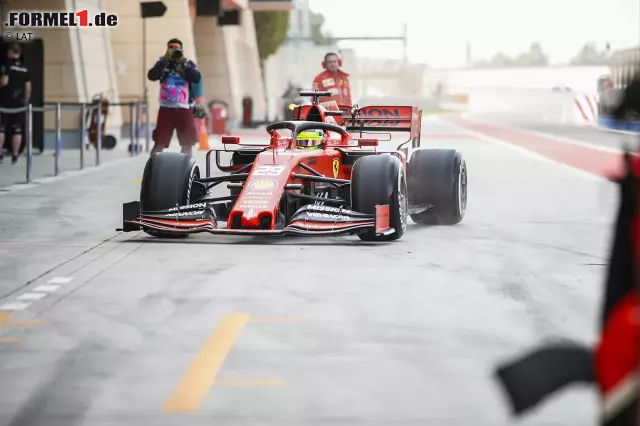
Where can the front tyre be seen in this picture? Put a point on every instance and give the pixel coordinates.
(167, 182)
(380, 180)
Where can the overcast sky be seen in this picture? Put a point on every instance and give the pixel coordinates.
(438, 30)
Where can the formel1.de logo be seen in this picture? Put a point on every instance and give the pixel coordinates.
(82, 18)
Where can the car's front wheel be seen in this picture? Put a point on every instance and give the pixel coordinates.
(167, 182)
(380, 180)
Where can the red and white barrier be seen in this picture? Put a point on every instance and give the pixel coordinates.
(579, 109)
(585, 109)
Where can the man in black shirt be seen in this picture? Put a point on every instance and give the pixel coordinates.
(15, 92)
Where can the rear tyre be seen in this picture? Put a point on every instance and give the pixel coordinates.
(167, 182)
(438, 178)
(380, 180)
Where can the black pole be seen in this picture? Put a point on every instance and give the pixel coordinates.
(144, 58)
(148, 9)
(2, 15)
(145, 100)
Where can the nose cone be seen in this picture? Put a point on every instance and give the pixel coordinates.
(251, 218)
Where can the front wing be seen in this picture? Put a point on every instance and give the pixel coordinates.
(308, 221)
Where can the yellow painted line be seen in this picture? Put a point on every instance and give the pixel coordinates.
(9, 340)
(4, 317)
(23, 323)
(247, 383)
(203, 370)
(276, 320)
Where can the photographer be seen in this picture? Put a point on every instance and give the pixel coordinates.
(176, 75)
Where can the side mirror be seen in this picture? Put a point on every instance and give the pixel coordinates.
(230, 140)
(368, 142)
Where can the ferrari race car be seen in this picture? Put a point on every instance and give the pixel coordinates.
(343, 185)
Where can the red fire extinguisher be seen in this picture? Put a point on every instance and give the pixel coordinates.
(247, 112)
(108, 141)
(219, 115)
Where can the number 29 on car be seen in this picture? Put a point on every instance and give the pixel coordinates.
(268, 171)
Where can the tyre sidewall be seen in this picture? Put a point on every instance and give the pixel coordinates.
(385, 175)
(168, 181)
(461, 200)
(434, 179)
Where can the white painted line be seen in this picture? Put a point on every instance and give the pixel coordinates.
(571, 141)
(32, 296)
(12, 188)
(47, 180)
(46, 288)
(604, 129)
(581, 173)
(60, 280)
(14, 306)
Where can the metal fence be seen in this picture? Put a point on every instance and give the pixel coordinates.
(135, 109)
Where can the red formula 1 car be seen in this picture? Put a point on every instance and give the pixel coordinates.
(347, 185)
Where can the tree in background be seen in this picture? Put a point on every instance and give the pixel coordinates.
(318, 35)
(590, 55)
(271, 32)
(535, 57)
(499, 60)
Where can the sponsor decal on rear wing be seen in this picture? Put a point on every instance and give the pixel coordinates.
(385, 119)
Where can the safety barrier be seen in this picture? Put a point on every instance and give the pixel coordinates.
(134, 128)
(585, 109)
(580, 109)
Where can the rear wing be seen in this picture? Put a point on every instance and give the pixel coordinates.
(384, 119)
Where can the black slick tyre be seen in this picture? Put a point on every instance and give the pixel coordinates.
(437, 179)
(380, 180)
(167, 182)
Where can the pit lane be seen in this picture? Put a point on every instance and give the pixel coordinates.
(233, 330)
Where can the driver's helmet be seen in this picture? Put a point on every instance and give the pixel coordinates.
(310, 139)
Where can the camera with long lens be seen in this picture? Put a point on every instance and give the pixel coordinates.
(176, 54)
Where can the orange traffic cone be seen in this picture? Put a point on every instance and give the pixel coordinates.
(204, 137)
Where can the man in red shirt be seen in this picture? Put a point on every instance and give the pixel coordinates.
(333, 80)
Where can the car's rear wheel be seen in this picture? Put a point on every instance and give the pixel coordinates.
(437, 179)
(167, 182)
(380, 180)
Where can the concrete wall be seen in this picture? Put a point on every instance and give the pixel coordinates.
(252, 83)
(229, 61)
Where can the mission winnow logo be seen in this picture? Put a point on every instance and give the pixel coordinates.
(82, 18)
